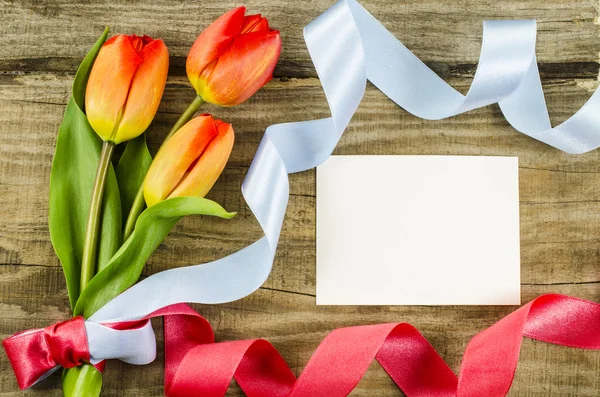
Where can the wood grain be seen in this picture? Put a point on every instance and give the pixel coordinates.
(42, 42)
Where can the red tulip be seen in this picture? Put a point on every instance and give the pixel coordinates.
(190, 162)
(125, 86)
(233, 58)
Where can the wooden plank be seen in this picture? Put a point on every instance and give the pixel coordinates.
(54, 35)
(295, 325)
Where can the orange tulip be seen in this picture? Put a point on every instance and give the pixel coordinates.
(125, 86)
(190, 162)
(233, 58)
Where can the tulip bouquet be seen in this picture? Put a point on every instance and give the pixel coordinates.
(100, 227)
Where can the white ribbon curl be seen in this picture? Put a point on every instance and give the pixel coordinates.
(347, 46)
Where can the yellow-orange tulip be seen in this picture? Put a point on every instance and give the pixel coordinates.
(233, 58)
(125, 86)
(190, 162)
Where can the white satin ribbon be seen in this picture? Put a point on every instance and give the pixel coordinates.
(347, 46)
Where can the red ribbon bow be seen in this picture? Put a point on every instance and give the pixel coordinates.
(195, 365)
(35, 353)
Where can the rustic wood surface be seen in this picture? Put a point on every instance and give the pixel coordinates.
(42, 42)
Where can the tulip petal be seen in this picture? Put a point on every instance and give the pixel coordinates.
(145, 91)
(243, 69)
(209, 166)
(254, 23)
(175, 157)
(212, 42)
(108, 84)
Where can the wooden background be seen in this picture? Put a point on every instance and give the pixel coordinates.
(42, 42)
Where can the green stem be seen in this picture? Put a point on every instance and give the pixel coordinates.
(185, 116)
(138, 203)
(90, 247)
(136, 209)
(82, 381)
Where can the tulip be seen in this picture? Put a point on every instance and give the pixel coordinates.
(233, 58)
(191, 161)
(230, 60)
(122, 95)
(125, 86)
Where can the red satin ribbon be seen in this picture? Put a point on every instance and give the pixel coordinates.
(34, 353)
(195, 365)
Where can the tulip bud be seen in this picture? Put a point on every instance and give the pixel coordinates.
(125, 86)
(233, 58)
(190, 162)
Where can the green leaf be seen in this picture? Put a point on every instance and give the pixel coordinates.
(84, 70)
(82, 381)
(71, 182)
(151, 229)
(131, 170)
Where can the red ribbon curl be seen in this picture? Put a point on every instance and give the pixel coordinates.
(196, 365)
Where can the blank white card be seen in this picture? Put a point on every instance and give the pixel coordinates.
(418, 230)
